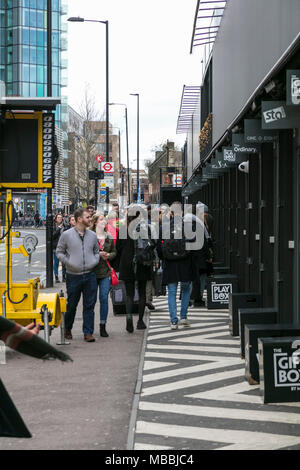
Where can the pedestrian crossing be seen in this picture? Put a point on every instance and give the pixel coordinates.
(194, 394)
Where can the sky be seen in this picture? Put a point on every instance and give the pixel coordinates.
(149, 52)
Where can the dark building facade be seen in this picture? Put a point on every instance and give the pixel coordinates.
(250, 112)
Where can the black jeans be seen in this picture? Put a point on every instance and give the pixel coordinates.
(130, 290)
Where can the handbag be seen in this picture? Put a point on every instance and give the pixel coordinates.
(113, 275)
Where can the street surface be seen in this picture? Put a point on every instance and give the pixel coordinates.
(194, 394)
(21, 270)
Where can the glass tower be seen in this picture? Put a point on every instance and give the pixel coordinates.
(23, 47)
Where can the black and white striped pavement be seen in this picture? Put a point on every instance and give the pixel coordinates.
(194, 395)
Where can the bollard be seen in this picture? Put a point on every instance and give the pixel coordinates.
(62, 341)
(4, 304)
(2, 353)
(45, 316)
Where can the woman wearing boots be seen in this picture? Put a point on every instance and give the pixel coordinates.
(130, 271)
(107, 254)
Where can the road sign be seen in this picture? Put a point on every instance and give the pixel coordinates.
(99, 158)
(109, 181)
(178, 181)
(108, 167)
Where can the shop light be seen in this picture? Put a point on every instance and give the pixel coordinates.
(270, 86)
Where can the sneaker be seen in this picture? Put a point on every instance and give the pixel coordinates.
(141, 325)
(174, 325)
(150, 306)
(129, 323)
(185, 322)
(89, 338)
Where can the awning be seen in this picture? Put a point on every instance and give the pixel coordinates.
(207, 20)
(189, 101)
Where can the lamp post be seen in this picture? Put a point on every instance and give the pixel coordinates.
(138, 147)
(49, 220)
(127, 147)
(78, 19)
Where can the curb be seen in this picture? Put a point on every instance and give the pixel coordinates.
(137, 392)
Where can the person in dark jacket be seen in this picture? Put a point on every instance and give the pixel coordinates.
(175, 271)
(58, 228)
(129, 272)
(108, 253)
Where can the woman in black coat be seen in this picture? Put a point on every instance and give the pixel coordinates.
(129, 272)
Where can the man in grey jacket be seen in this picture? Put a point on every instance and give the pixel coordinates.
(78, 250)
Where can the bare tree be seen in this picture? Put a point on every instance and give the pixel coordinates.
(85, 146)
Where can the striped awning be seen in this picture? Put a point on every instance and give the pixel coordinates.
(207, 20)
(189, 101)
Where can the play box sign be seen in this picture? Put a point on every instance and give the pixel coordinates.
(218, 291)
(279, 369)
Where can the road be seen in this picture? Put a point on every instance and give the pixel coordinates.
(21, 270)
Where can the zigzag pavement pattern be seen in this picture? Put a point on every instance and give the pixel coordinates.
(194, 395)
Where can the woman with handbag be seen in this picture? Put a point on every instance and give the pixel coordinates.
(104, 273)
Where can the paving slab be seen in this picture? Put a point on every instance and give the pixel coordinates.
(81, 405)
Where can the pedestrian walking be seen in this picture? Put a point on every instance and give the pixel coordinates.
(91, 210)
(201, 259)
(177, 268)
(37, 219)
(78, 250)
(108, 252)
(58, 229)
(136, 259)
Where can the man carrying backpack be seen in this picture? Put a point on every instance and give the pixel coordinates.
(177, 267)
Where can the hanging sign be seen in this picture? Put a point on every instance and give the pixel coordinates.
(217, 163)
(230, 157)
(239, 146)
(277, 115)
(253, 133)
(293, 87)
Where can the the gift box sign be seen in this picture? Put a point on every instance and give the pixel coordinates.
(220, 293)
(286, 369)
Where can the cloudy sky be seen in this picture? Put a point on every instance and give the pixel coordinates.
(149, 55)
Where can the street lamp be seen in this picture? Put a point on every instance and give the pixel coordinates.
(78, 19)
(127, 146)
(138, 146)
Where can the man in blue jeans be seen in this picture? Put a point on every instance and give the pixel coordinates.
(78, 250)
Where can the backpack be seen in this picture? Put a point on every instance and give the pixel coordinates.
(173, 249)
(144, 254)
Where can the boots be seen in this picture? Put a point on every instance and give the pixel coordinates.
(140, 324)
(103, 331)
(56, 279)
(129, 323)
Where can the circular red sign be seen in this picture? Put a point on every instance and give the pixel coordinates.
(107, 167)
(99, 158)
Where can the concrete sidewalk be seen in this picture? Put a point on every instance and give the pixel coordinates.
(81, 405)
